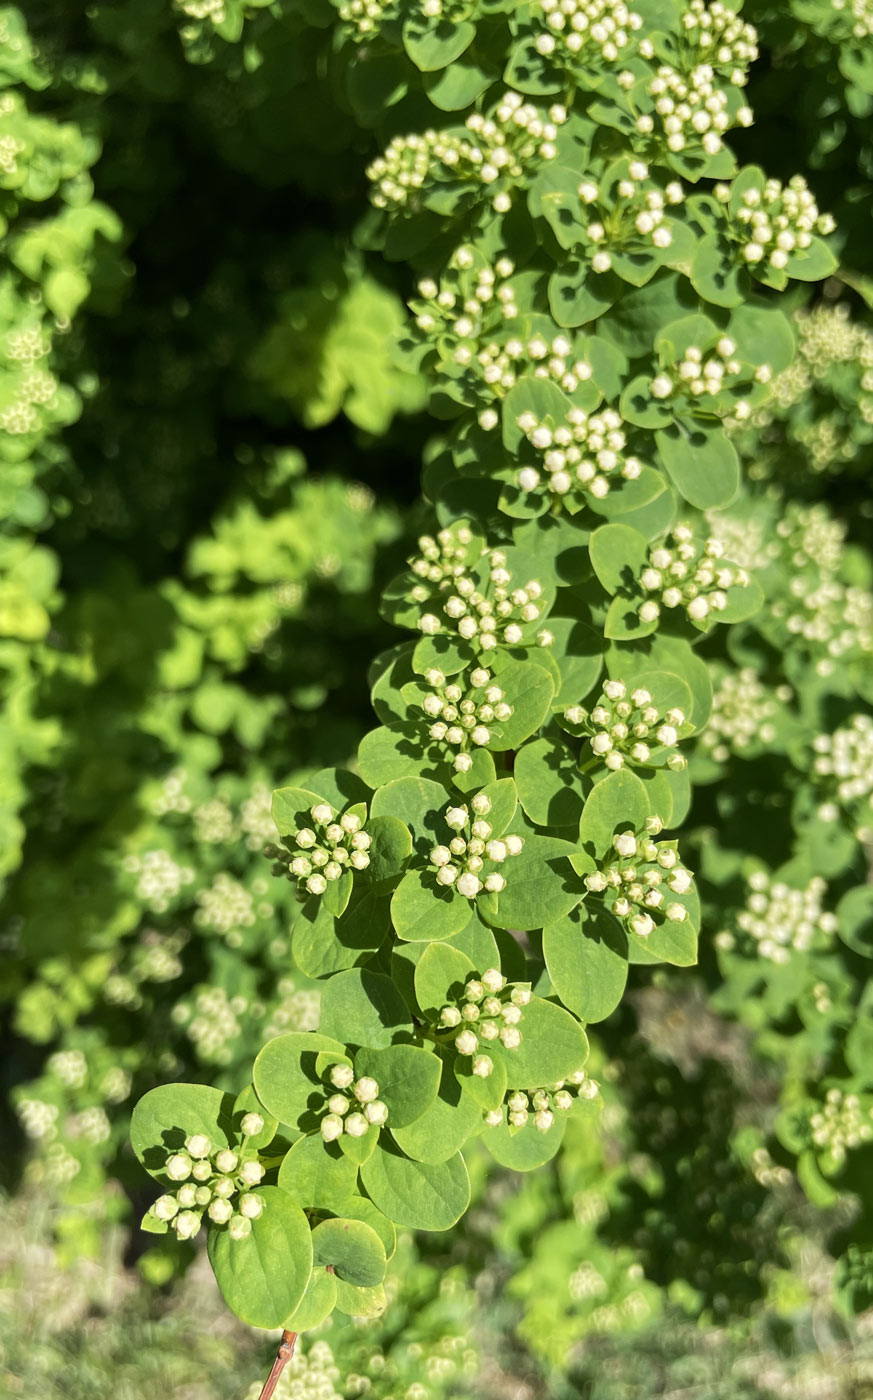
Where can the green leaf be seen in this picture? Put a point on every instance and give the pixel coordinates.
(701, 462)
(548, 782)
(540, 884)
(323, 945)
(364, 1008)
(408, 1079)
(542, 397)
(286, 1074)
(578, 651)
(353, 1249)
(441, 974)
(553, 1046)
(623, 622)
(417, 1195)
(392, 751)
(317, 1174)
(855, 920)
(263, 1277)
(715, 273)
(578, 296)
(422, 910)
(419, 804)
(360, 1302)
(618, 803)
(525, 1149)
(529, 690)
(433, 46)
(451, 1119)
(586, 956)
(618, 556)
(164, 1117)
(317, 1303)
(390, 849)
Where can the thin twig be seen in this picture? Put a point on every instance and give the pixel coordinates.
(283, 1355)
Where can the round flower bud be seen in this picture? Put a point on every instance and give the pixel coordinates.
(316, 884)
(467, 1042)
(178, 1166)
(220, 1212)
(482, 1066)
(493, 979)
(356, 1125)
(224, 1187)
(510, 1037)
(239, 1228)
(187, 1224)
(494, 1117)
(251, 1173)
(543, 1120)
(252, 1124)
(376, 1113)
(366, 1090)
(341, 1076)
(331, 1127)
(198, 1145)
(450, 1016)
(469, 885)
(625, 843)
(514, 844)
(187, 1195)
(165, 1207)
(251, 1206)
(456, 818)
(202, 1170)
(520, 996)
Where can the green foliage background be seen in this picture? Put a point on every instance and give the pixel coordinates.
(209, 470)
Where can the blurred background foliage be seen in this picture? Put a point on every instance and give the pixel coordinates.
(209, 469)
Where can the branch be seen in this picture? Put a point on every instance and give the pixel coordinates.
(283, 1355)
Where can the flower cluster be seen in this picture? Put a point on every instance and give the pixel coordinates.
(691, 109)
(835, 620)
(491, 1009)
(715, 34)
(858, 15)
(841, 1124)
(703, 376)
(685, 573)
(461, 722)
(219, 1181)
(843, 770)
(442, 560)
(744, 715)
(504, 364)
(543, 1103)
(595, 29)
(324, 851)
(353, 1105)
(771, 224)
(470, 862)
(630, 728)
(634, 876)
(501, 615)
(226, 906)
(626, 214)
(492, 152)
(582, 455)
(778, 919)
(160, 879)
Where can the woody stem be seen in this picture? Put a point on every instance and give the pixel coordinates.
(284, 1354)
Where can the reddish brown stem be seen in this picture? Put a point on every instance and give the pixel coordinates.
(283, 1355)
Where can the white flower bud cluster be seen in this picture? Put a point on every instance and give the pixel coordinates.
(219, 1182)
(312, 1374)
(691, 110)
(442, 560)
(842, 1124)
(214, 822)
(582, 455)
(715, 34)
(295, 1009)
(835, 621)
(627, 218)
(497, 151)
(255, 817)
(170, 795)
(700, 377)
(542, 1104)
(843, 771)
(828, 339)
(160, 879)
(501, 616)
(470, 860)
(212, 1023)
(464, 721)
(226, 906)
(745, 714)
(501, 365)
(353, 1105)
(598, 30)
(778, 920)
(811, 538)
(685, 573)
(626, 726)
(639, 876)
(491, 1009)
(212, 10)
(768, 227)
(323, 851)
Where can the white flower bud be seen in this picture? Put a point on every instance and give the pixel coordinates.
(510, 1037)
(356, 1125)
(178, 1166)
(341, 1076)
(514, 844)
(469, 885)
(376, 1113)
(187, 1225)
(321, 813)
(239, 1228)
(251, 1206)
(252, 1124)
(198, 1145)
(543, 1120)
(220, 1212)
(625, 843)
(482, 1066)
(251, 1173)
(331, 1127)
(493, 980)
(450, 1016)
(366, 1090)
(165, 1207)
(456, 818)
(467, 1042)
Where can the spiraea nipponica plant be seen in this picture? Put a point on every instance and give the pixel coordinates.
(597, 319)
